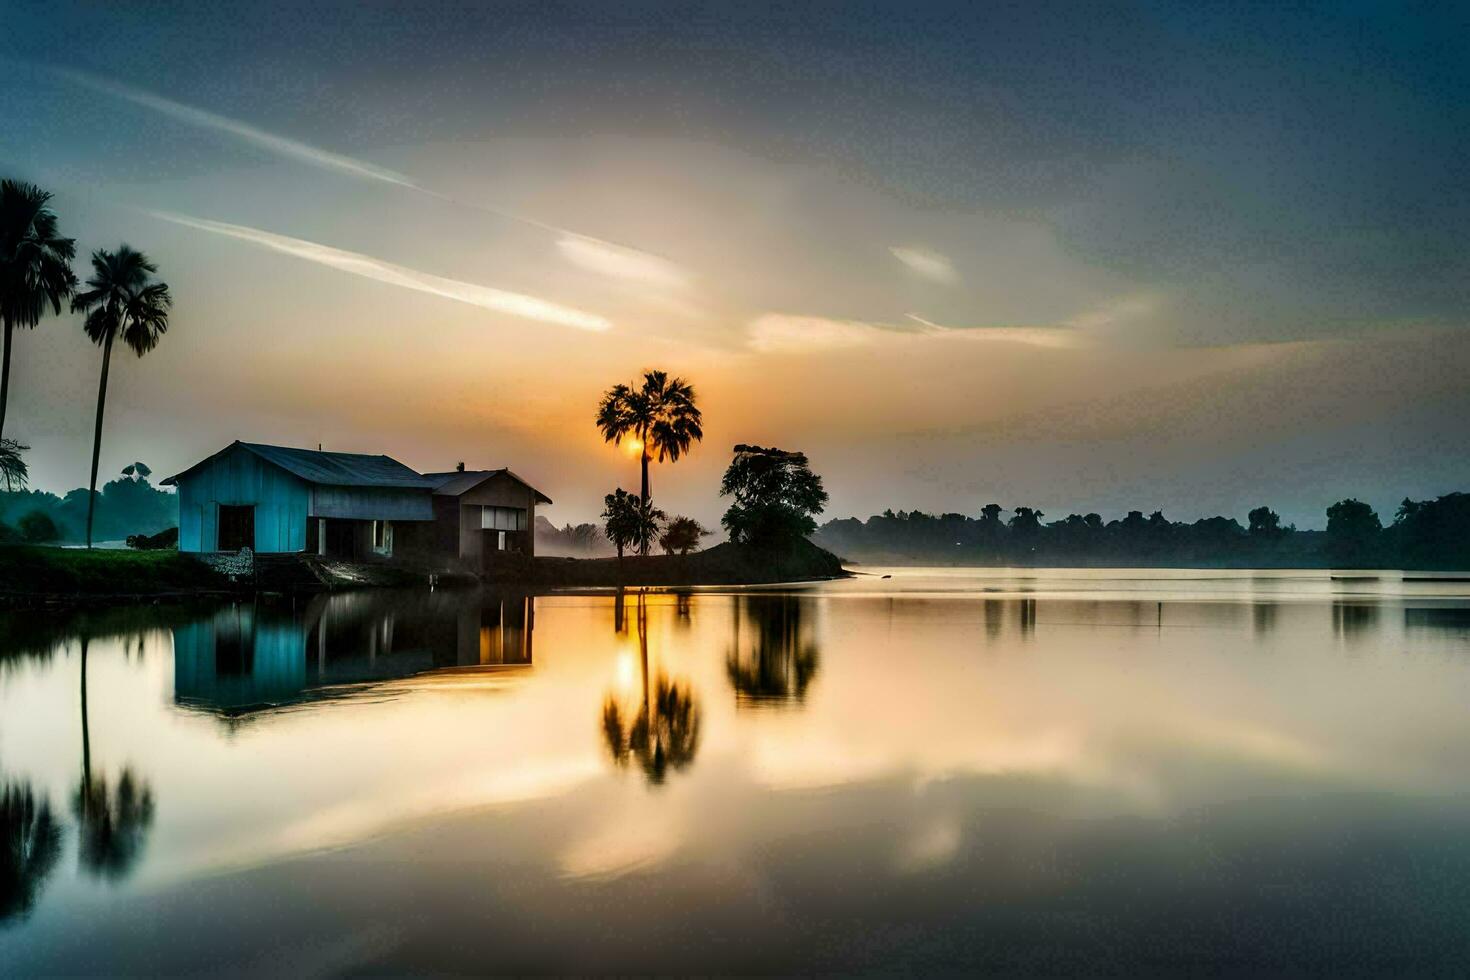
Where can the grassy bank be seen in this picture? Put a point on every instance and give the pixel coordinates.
(35, 571)
(724, 564)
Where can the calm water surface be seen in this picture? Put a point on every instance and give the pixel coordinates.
(1039, 771)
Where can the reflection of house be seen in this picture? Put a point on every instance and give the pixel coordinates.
(349, 505)
(248, 657)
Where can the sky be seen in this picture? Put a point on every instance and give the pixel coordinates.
(1083, 257)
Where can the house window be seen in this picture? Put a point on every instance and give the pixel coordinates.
(503, 518)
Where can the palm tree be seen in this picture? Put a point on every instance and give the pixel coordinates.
(122, 300)
(13, 470)
(628, 520)
(35, 266)
(661, 415)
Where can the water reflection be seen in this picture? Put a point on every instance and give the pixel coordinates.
(982, 779)
(1263, 618)
(1353, 620)
(1448, 620)
(663, 734)
(246, 658)
(30, 843)
(113, 818)
(773, 654)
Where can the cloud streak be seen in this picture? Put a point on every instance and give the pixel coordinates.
(279, 145)
(923, 262)
(782, 333)
(485, 297)
(594, 254)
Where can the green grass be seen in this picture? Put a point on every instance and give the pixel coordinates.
(28, 570)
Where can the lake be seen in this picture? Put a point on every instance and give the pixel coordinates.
(946, 770)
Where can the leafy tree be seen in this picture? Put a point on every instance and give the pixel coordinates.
(776, 496)
(122, 300)
(13, 470)
(38, 528)
(1352, 519)
(661, 415)
(35, 267)
(682, 535)
(1433, 533)
(139, 471)
(1026, 520)
(1352, 530)
(627, 520)
(1264, 523)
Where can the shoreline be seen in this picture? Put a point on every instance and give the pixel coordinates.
(40, 578)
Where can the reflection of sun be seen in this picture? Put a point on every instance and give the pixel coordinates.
(626, 669)
(633, 446)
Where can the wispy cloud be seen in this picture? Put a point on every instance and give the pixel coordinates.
(923, 262)
(1051, 335)
(279, 145)
(621, 262)
(782, 333)
(594, 254)
(486, 297)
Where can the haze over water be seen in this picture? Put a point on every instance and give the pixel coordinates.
(945, 770)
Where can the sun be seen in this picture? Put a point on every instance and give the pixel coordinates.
(633, 446)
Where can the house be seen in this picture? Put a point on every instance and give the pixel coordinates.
(275, 499)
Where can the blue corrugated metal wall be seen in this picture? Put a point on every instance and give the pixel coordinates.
(240, 477)
(277, 664)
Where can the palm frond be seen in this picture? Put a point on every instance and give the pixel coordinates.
(13, 471)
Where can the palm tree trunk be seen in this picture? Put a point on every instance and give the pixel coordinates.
(5, 377)
(97, 435)
(643, 498)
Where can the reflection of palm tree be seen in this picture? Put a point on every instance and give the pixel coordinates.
(30, 843)
(114, 823)
(785, 656)
(665, 733)
(114, 819)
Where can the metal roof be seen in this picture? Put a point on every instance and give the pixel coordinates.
(330, 469)
(458, 482)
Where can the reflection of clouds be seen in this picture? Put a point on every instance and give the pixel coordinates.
(633, 840)
(931, 845)
(380, 811)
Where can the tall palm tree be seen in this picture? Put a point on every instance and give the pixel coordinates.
(122, 300)
(660, 414)
(35, 266)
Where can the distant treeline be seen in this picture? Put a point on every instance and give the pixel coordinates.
(126, 506)
(1428, 534)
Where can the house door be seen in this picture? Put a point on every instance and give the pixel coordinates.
(236, 527)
